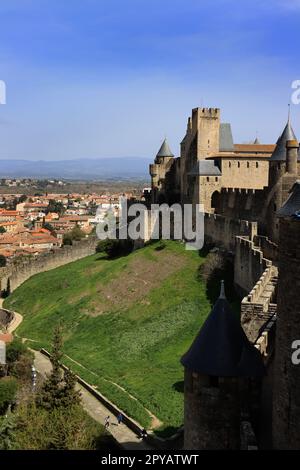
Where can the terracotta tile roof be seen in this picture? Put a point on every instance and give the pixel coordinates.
(8, 239)
(6, 337)
(254, 148)
(35, 204)
(7, 253)
(40, 232)
(9, 213)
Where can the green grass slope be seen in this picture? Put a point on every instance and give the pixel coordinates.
(126, 324)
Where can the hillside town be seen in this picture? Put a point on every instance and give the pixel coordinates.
(30, 225)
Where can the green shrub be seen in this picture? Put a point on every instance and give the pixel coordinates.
(15, 350)
(58, 429)
(114, 248)
(67, 239)
(103, 245)
(8, 390)
(161, 246)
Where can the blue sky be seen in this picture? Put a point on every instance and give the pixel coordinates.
(94, 78)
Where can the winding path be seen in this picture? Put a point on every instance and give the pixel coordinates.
(122, 434)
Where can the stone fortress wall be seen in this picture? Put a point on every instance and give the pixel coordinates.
(236, 236)
(14, 275)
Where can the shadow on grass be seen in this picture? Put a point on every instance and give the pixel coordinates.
(167, 432)
(224, 271)
(179, 386)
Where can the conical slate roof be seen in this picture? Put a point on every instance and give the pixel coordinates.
(291, 208)
(279, 153)
(221, 347)
(165, 150)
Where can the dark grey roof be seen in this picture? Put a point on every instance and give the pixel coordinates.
(205, 168)
(279, 153)
(165, 150)
(291, 208)
(226, 139)
(221, 348)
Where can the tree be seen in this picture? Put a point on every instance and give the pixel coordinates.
(22, 198)
(67, 239)
(8, 390)
(14, 350)
(2, 261)
(2, 229)
(114, 248)
(58, 389)
(76, 234)
(19, 359)
(7, 427)
(55, 206)
(58, 429)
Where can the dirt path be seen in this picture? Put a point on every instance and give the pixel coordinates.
(123, 435)
(127, 438)
(15, 323)
(155, 422)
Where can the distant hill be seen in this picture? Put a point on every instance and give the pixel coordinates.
(88, 169)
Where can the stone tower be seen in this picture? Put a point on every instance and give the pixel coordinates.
(162, 165)
(286, 388)
(201, 141)
(219, 356)
(279, 168)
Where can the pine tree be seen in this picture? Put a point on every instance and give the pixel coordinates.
(59, 388)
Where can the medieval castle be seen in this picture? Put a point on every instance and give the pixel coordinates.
(242, 389)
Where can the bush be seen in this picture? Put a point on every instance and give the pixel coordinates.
(21, 369)
(2, 261)
(213, 266)
(8, 390)
(114, 248)
(58, 429)
(15, 350)
(102, 245)
(161, 246)
(76, 234)
(67, 239)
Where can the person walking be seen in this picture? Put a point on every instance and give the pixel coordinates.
(120, 418)
(106, 422)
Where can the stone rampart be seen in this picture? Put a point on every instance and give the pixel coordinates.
(15, 274)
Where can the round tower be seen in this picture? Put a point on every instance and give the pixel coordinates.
(277, 169)
(163, 162)
(219, 356)
(286, 387)
(292, 147)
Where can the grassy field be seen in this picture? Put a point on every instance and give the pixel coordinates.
(126, 321)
